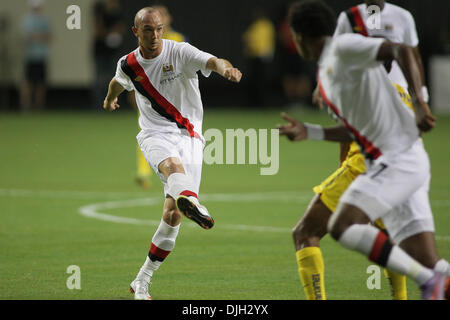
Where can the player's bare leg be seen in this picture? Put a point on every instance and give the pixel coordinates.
(422, 247)
(349, 226)
(307, 234)
(312, 227)
(186, 200)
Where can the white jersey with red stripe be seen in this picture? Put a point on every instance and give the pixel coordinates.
(395, 24)
(167, 90)
(357, 88)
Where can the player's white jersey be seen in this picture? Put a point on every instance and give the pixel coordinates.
(396, 25)
(357, 88)
(167, 91)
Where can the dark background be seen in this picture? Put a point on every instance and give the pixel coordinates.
(217, 27)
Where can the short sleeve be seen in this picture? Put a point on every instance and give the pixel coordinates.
(122, 78)
(411, 38)
(343, 25)
(195, 59)
(359, 50)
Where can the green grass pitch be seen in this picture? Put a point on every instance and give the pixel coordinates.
(55, 165)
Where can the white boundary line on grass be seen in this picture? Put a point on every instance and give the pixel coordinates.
(93, 210)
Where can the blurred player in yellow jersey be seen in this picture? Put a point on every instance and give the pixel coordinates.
(144, 172)
(397, 25)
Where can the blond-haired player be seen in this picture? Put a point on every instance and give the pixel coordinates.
(144, 172)
(164, 75)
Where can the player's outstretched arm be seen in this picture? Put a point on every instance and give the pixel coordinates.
(224, 68)
(407, 61)
(114, 90)
(297, 131)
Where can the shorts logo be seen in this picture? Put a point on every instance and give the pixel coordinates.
(138, 79)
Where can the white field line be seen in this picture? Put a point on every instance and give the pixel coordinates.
(280, 196)
(66, 194)
(92, 210)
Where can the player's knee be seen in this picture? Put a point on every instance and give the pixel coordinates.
(304, 236)
(169, 166)
(345, 216)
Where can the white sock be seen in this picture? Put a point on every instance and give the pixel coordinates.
(147, 269)
(373, 243)
(442, 266)
(178, 183)
(163, 242)
(401, 262)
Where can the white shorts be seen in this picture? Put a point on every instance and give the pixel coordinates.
(158, 147)
(395, 188)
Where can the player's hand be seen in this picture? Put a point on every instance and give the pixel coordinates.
(111, 105)
(425, 119)
(233, 74)
(427, 122)
(317, 98)
(293, 130)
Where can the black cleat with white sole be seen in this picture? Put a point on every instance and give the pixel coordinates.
(193, 210)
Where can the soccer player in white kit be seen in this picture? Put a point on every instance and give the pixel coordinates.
(373, 18)
(393, 23)
(380, 19)
(163, 74)
(355, 86)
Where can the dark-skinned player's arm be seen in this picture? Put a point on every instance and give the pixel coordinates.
(297, 131)
(424, 89)
(405, 57)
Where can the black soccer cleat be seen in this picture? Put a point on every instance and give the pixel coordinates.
(193, 210)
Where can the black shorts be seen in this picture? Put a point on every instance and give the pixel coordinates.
(36, 72)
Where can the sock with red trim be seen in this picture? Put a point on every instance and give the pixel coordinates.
(179, 183)
(163, 242)
(377, 246)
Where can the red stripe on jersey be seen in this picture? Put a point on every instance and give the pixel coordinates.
(189, 193)
(163, 102)
(369, 149)
(160, 253)
(359, 21)
(378, 246)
